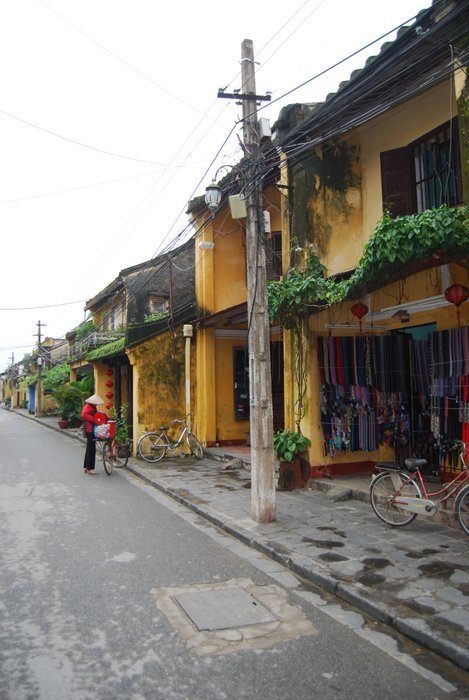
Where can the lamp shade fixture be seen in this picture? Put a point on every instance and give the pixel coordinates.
(213, 196)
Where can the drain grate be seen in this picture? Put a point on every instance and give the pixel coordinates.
(223, 609)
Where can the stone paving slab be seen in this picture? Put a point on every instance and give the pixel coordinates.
(415, 579)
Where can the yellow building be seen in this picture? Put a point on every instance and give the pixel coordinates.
(393, 138)
(222, 329)
(134, 346)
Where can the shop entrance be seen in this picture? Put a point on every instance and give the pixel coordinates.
(408, 390)
(419, 417)
(241, 383)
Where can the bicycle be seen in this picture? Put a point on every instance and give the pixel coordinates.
(153, 446)
(398, 494)
(115, 454)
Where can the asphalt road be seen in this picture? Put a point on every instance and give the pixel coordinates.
(86, 560)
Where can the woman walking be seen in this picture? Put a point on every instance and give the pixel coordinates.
(89, 416)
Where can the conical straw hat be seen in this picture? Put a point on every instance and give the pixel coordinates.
(95, 399)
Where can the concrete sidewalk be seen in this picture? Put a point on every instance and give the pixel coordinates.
(415, 579)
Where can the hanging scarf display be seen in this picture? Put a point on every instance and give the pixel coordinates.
(394, 390)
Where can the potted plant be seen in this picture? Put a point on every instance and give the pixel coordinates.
(70, 398)
(289, 445)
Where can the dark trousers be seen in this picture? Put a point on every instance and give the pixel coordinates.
(90, 454)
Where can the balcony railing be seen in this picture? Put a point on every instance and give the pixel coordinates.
(82, 347)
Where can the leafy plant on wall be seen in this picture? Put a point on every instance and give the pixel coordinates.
(393, 243)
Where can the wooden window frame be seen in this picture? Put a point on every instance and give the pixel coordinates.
(456, 160)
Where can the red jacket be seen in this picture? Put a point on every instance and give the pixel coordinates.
(88, 413)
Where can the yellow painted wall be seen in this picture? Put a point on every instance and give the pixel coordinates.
(221, 272)
(205, 419)
(159, 382)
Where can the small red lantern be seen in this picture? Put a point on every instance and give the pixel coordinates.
(109, 394)
(109, 383)
(109, 372)
(359, 310)
(457, 294)
(108, 405)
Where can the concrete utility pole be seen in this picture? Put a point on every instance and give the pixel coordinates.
(260, 386)
(12, 380)
(38, 406)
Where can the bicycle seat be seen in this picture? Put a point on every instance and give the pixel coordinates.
(412, 464)
(163, 427)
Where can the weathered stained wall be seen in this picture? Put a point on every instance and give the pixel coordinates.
(159, 381)
(337, 190)
(327, 209)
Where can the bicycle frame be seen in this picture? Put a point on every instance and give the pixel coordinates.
(173, 444)
(449, 489)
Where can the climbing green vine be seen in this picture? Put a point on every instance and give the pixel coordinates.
(393, 243)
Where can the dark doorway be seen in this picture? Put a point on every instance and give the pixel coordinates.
(241, 383)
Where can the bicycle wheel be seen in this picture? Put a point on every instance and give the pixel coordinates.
(122, 455)
(383, 488)
(462, 509)
(194, 445)
(151, 447)
(108, 458)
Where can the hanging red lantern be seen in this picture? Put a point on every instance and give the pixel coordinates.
(109, 372)
(457, 294)
(108, 405)
(109, 394)
(109, 384)
(359, 310)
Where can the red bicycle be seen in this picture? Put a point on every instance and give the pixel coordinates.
(398, 494)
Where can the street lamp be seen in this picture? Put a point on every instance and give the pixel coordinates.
(213, 192)
(213, 196)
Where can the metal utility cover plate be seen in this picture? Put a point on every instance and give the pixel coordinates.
(223, 609)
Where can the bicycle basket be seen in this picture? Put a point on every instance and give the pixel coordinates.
(106, 431)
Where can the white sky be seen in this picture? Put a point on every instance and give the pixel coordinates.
(67, 246)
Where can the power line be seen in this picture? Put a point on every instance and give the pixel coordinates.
(118, 58)
(301, 24)
(74, 189)
(44, 306)
(74, 141)
(338, 63)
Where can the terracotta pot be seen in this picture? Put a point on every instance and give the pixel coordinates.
(290, 476)
(64, 423)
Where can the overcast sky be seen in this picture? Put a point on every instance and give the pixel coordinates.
(129, 87)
